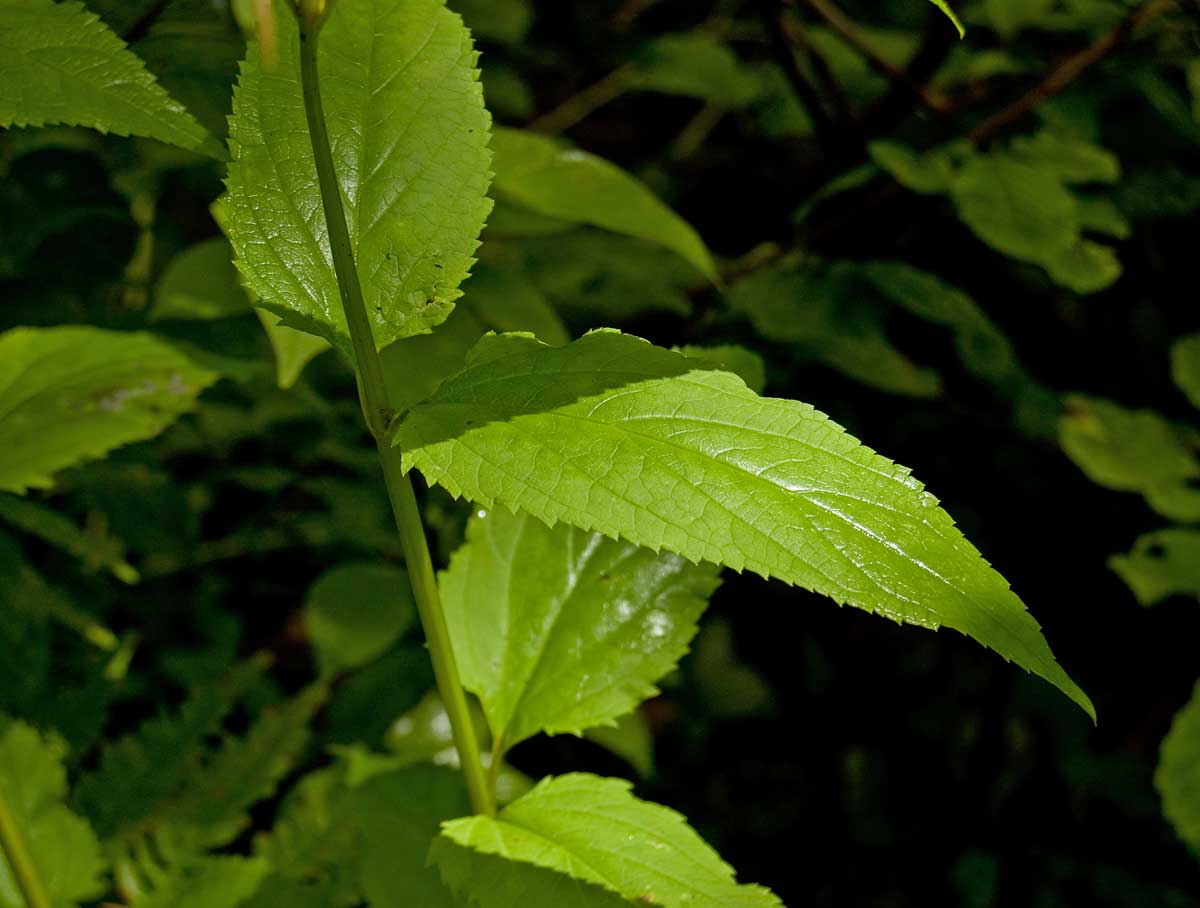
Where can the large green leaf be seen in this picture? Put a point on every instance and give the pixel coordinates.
(1178, 776)
(614, 435)
(409, 135)
(60, 64)
(554, 179)
(558, 630)
(595, 830)
(63, 848)
(1162, 563)
(1133, 451)
(72, 394)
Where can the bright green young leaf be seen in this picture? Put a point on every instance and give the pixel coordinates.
(553, 179)
(1162, 563)
(945, 8)
(1133, 451)
(594, 830)
(409, 136)
(485, 880)
(1178, 775)
(504, 299)
(63, 848)
(613, 435)
(60, 64)
(1185, 367)
(559, 630)
(72, 394)
(400, 813)
(355, 612)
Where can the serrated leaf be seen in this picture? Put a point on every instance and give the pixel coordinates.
(409, 135)
(142, 769)
(1185, 367)
(1178, 775)
(553, 179)
(60, 64)
(210, 882)
(614, 435)
(559, 630)
(355, 612)
(745, 364)
(71, 394)
(595, 830)
(1133, 451)
(399, 813)
(92, 544)
(61, 845)
(1162, 563)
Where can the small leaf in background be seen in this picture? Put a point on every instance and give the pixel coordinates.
(33, 788)
(1068, 159)
(595, 830)
(629, 738)
(1162, 563)
(729, 688)
(415, 185)
(201, 282)
(696, 65)
(614, 435)
(60, 64)
(503, 21)
(1133, 451)
(400, 813)
(745, 364)
(355, 612)
(1178, 775)
(293, 349)
(930, 172)
(71, 394)
(211, 882)
(1185, 367)
(559, 630)
(553, 179)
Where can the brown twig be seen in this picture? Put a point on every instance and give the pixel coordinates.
(849, 31)
(584, 103)
(1069, 70)
(771, 13)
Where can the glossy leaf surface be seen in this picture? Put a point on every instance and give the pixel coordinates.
(613, 435)
(557, 629)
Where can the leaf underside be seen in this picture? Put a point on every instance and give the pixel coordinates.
(616, 436)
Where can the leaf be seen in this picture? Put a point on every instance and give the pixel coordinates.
(293, 349)
(61, 845)
(595, 830)
(210, 882)
(1178, 775)
(930, 172)
(553, 179)
(494, 881)
(60, 64)
(1185, 367)
(559, 630)
(745, 364)
(504, 299)
(1085, 267)
(400, 812)
(696, 65)
(71, 394)
(409, 135)
(92, 544)
(614, 435)
(1068, 159)
(505, 21)
(1016, 208)
(945, 8)
(142, 769)
(630, 738)
(201, 282)
(728, 687)
(1163, 563)
(355, 612)
(1132, 451)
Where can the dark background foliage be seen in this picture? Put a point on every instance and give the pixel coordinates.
(888, 766)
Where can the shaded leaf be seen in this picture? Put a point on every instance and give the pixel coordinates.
(72, 394)
(1178, 775)
(1162, 563)
(553, 179)
(614, 435)
(355, 612)
(1185, 367)
(409, 137)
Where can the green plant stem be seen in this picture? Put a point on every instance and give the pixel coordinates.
(377, 412)
(20, 861)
